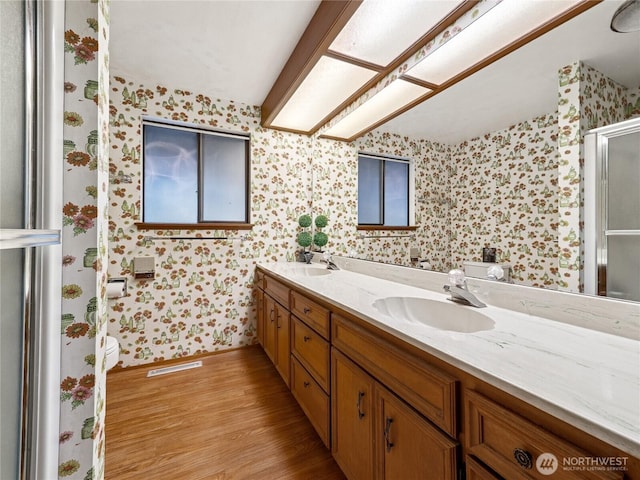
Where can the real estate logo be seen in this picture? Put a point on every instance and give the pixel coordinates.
(547, 464)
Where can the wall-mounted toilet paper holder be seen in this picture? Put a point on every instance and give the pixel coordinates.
(116, 287)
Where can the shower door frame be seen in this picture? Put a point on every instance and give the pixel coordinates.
(596, 233)
(39, 237)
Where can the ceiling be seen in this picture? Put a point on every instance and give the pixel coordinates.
(235, 50)
(231, 50)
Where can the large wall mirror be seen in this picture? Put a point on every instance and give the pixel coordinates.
(509, 148)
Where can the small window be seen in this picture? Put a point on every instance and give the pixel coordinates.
(194, 176)
(383, 191)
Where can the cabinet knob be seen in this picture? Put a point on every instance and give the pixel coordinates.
(524, 458)
(306, 310)
(306, 339)
(306, 384)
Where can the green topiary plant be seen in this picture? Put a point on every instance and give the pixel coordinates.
(321, 221)
(304, 221)
(305, 239)
(320, 239)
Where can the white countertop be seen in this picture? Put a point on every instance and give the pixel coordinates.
(586, 378)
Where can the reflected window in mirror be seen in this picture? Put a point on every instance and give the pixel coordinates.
(193, 175)
(384, 190)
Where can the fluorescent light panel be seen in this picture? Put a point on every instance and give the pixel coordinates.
(329, 83)
(380, 30)
(500, 26)
(395, 96)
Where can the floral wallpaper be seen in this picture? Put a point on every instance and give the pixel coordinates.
(82, 327)
(587, 99)
(527, 175)
(501, 190)
(200, 300)
(432, 206)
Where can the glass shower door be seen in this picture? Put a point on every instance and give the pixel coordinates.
(612, 211)
(621, 278)
(30, 258)
(11, 216)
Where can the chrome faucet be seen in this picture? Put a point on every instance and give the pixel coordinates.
(459, 291)
(326, 258)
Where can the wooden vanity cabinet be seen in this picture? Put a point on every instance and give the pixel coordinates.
(312, 399)
(312, 351)
(389, 410)
(352, 418)
(310, 360)
(408, 446)
(258, 295)
(475, 470)
(429, 390)
(377, 435)
(511, 445)
(276, 330)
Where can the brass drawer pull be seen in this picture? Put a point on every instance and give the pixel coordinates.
(360, 412)
(306, 339)
(306, 384)
(306, 310)
(524, 458)
(387, 434)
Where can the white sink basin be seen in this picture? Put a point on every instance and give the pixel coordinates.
(435, 314)
(306, 270)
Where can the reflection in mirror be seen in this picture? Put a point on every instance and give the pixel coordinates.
(499, 155)
(612, 210)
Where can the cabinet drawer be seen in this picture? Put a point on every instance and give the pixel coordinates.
(314, 315)
(311, 398)
(312, 351)
(477, 471)
(277, 290)
(512, 445)
(424, 387)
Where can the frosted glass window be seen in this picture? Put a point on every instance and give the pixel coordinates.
(396, 193)
(224, 172)
(623, 265)
(194, 176)
(383, 191)
(369, 191)
(170, 175)
(623, 165)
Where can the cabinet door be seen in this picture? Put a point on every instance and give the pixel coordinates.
(352, 418)
(270, 315)
(409, 447)
(283, 348)
(259, 295)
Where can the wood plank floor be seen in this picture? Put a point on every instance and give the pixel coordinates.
(233, 418)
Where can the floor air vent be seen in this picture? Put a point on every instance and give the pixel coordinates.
(173, 369)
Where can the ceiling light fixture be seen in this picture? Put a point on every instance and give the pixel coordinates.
(346, 78)
(503, 24)
(330, 83)
(627, 17)
(375, 109)
(365, 40)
